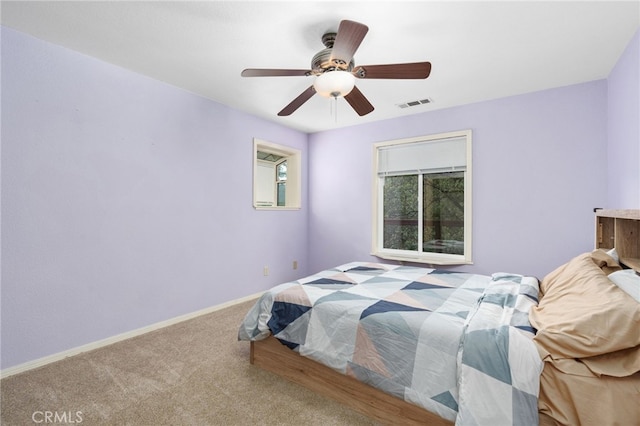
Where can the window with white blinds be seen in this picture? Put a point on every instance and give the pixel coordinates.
(422, 199)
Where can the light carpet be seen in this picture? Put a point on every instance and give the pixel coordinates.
(191, 373)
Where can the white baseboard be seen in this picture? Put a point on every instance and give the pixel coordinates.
(30, 365)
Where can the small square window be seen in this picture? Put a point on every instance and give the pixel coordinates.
(276, 172)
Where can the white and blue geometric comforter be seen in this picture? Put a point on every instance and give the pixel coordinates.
(456, 344)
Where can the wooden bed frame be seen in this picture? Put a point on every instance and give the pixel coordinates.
(271, 355)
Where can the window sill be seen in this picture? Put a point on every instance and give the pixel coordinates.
(431, 259)
(275, 208)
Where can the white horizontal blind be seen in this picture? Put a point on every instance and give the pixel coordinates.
(265, 184)
(423, 157)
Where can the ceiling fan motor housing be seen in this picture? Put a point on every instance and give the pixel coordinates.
(322, 62)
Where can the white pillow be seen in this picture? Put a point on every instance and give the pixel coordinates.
(614, 253)
(628, 281)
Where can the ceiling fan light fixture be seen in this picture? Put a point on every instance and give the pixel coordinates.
(333, 84)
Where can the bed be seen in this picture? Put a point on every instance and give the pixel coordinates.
(419, 345)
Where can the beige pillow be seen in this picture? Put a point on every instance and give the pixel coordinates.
(605, 261)
(582, 313)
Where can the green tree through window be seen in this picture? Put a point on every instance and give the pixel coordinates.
(443, 213)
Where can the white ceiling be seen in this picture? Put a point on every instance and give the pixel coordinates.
(479, 50)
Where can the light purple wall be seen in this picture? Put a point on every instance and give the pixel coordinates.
(538, 172)
(624, 130)
(125, 202)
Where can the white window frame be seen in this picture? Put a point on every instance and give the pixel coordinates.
(279, 181)
(377, 208)
(293, 186)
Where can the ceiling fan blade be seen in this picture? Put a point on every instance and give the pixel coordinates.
(263, 72)
(350, 35)
(297, 102)
(395, 71)
(358, 102)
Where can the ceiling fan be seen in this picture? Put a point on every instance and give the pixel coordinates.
(336, 72)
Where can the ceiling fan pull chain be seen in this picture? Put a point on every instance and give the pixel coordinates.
(332, 107)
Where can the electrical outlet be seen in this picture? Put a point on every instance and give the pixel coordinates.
(295, 264)
(265, 271)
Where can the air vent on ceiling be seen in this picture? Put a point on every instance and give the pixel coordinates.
(415, 103)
